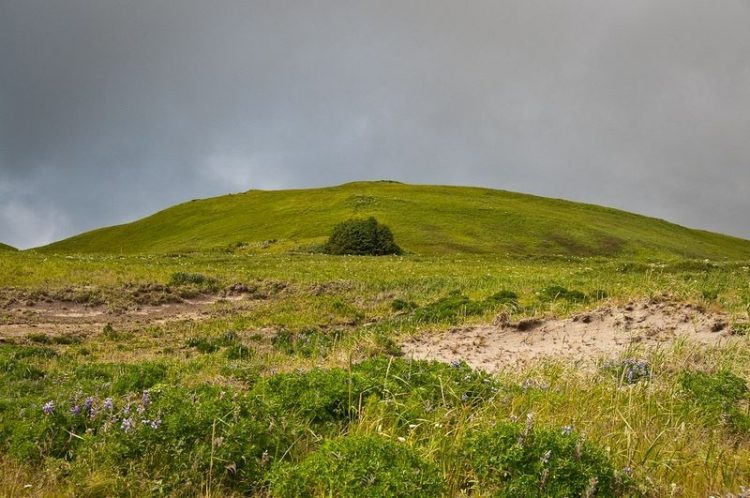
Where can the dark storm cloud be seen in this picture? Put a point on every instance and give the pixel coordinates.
(110, 110)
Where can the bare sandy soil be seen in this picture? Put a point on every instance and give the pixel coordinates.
(60, 319)
(587, 337)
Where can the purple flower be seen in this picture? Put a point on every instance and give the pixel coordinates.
(75, 410)
(146, 399)
(126, 410)
(127, 425)
(154, 424)
(93, 413)
(88, 403)
(108, 405)
(48, 408)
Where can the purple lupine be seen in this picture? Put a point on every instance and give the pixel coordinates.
(127, 425)
(48, 408)
(75, 410)
(88, 404)
(108, 404)
(146, 399)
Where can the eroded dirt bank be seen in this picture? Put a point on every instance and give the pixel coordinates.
(585, 337)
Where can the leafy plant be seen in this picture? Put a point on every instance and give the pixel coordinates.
(359, 466)
(512, 460)
(361, 237)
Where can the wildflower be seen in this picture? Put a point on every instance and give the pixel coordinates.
(93, 413)
(126, 410)
(155, 423)
(127, 425)
(455, 363)
(88, 403)
(567, 430)
(146, 399)
(108, 404)
(48, 408)
(75, 410)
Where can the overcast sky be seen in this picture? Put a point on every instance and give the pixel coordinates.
(111, 109)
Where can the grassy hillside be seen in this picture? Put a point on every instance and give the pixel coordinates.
(424, 220)
(5, 247)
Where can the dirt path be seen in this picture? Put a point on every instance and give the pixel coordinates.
(604, 332)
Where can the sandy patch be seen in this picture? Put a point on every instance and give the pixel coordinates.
(604, 332)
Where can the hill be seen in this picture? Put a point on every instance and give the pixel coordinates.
(424, 219)
(6, 247)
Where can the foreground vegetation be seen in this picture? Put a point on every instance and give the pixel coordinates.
(304, 392)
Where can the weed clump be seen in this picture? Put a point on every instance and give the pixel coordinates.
(307, 342)
(361, 238)
(557, 292)
(359, 466)
(449, 309)
(718, 396)
(512, 460)
(198, 279)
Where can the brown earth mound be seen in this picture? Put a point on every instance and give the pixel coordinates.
(604, 332)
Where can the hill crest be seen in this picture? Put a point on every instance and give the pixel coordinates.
(425, 219)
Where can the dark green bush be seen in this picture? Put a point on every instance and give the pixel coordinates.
(362, 238)
(503, 297)
(449, 309)
(557, 292)
(321, 397)
(359, 466)
(512, 460)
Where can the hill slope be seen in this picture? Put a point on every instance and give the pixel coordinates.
(6, 247)
(424, 219)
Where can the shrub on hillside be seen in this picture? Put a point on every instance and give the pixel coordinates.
(355, 466)
(361, 237)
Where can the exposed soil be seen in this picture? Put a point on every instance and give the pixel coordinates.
(55, 318)
(586, 337)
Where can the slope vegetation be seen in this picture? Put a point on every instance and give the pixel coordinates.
(424, 220)
(6, 247)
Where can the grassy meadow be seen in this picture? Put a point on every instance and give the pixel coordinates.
(304, 393)
(279, 371)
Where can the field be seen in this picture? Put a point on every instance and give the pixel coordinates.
(228, 373)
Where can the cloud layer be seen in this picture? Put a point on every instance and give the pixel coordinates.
(111, 110)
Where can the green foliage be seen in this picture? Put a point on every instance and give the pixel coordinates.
(402, 305)
(557, 292)
(359, 466)
(308, 342)
(182, 278)
(21, 362)
(361, 238)
(449, 309)
(512, 460)
(719, 396)
(121, 378)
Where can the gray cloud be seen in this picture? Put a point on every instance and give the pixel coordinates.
(110, 110)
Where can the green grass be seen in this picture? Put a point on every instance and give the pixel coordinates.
(302, 392)
(425, 220)
(5, 247)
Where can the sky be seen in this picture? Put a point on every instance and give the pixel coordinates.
(111, 110)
